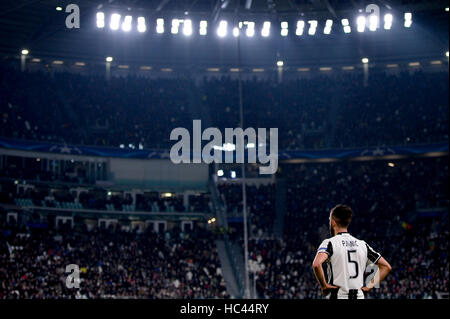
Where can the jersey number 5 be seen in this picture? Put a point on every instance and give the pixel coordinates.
(354, 262)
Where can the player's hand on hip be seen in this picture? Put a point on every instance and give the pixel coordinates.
(366, 289)
(328, 288)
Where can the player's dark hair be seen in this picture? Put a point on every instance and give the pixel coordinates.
(342, 214)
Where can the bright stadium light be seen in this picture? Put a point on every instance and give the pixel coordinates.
(373, 22)
(280, 64)
(408, 19)
(109, 59)
(361, 23)
(365, 60)
(160, 25)
(59, 8)
(346, 25)
(266, 29)
(250, 32)
(220, 173)
(312, 27)
(328, 25)
(233, 174)
(203, 27)
(388, 21)
(25, 52)
(187, 27)
(100, 20)
(141, 26)
(235, 32)
(126, 25)
(446, 54)
(175, 26)
(115, 21)
(300, 27)
(222, 29)
(284, 29)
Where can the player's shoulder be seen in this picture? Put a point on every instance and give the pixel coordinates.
(347, 238)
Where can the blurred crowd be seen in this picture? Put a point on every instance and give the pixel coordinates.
(112, 264)
(398, 204)
(135, 112)
(260, 205)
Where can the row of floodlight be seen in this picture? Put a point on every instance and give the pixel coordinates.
(371, 22)
(279, 64)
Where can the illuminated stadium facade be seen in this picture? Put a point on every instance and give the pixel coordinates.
(318, 34)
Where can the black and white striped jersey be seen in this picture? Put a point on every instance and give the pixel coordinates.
(347, 260)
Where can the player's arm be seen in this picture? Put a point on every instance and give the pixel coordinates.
(383, 268)
(320, 258)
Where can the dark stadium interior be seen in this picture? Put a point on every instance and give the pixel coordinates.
(85, 174)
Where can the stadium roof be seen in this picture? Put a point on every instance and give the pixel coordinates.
(40, 28)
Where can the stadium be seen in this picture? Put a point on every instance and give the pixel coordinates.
(136, 137)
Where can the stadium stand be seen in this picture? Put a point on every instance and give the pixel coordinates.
(139, 112)
(113, 263)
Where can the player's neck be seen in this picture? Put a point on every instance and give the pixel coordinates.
(340, 230)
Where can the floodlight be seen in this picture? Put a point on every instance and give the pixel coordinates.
(160, 25)
(373, 22)
(115, 21)
(266, 29)
(100, 20)
(312, 27)
(284, 29)
(361, 23)
(175, 26)
(408, 19)
(346, 25)
(222, 30)
(187, 27)
(328, 25)
(250, 32)
(141, 27)
(126, 25)
(203, 27)
(300, 27)
(388, 21)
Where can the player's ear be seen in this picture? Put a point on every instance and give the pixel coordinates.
(332, 222)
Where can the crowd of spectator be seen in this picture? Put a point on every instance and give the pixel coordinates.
(260, 205)
(340, 110)
(318, 112)
(112, 264)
